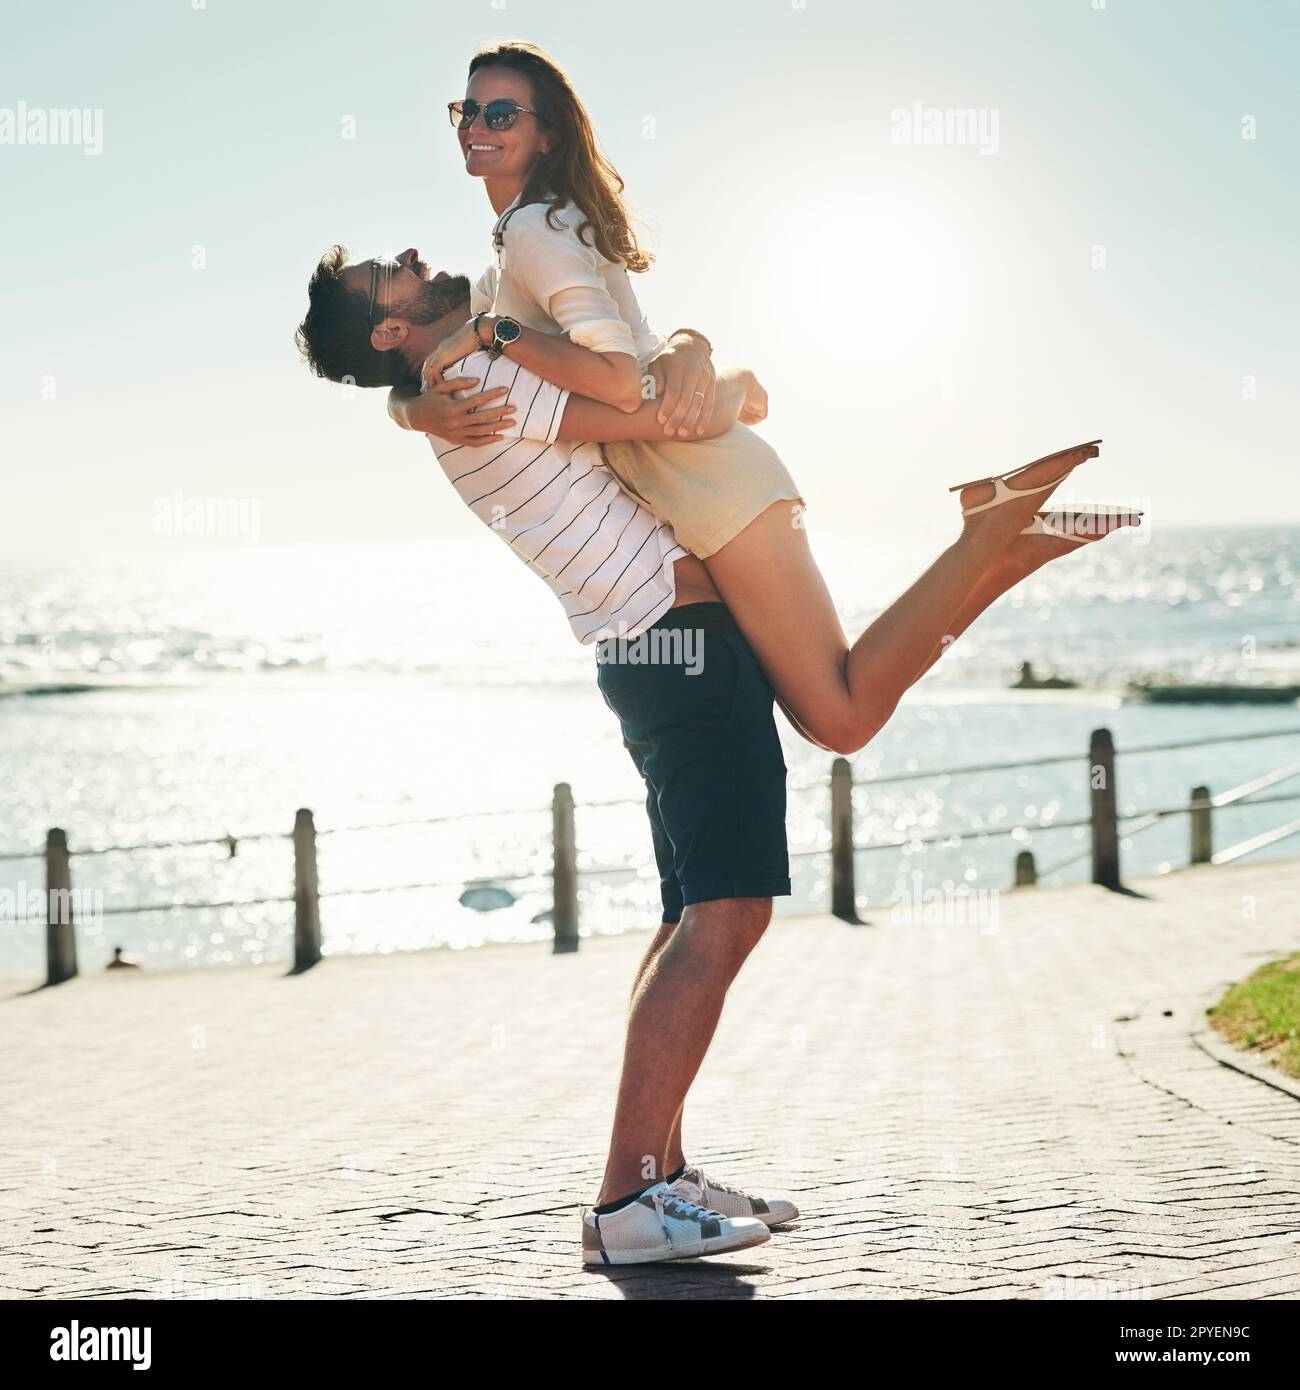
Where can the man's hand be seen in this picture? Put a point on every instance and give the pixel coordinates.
(685, 383)
(472, 421)
(754, 408)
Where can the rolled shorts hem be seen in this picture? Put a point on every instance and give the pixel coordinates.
(715, 889)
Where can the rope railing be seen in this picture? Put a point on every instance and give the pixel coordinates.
(1269, 837)
(938, 837)
(1196, 806)
(1059, 758)
(1108, 827)
(809, 784)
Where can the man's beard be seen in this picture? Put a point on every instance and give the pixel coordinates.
(434, 299)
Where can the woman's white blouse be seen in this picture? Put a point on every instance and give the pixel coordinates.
(550, 279)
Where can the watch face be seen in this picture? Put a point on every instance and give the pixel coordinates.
(506, 330)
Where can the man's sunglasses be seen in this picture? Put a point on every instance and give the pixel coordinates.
(497, 115)
(385, 268)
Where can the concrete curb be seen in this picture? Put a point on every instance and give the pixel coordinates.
(1228, 1056)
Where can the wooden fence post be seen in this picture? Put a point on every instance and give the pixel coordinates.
(844, 893)
(1026, 869)
(60, 927)
(1105, 826)
(564, 870)
(1202, 830)
(306, 893)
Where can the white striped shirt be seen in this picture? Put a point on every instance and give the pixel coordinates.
(558, 506)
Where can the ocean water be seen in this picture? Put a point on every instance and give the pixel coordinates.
(424, 698)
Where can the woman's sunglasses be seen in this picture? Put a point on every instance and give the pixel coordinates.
(497, 115)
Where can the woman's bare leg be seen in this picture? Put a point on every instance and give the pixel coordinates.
(1002, 576)
(836, 694)
(1020, 559)
(840, 695)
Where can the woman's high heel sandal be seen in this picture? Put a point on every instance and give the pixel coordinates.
(1002, 493)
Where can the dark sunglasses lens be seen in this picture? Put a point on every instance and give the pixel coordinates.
(500, 115)
(462, 113)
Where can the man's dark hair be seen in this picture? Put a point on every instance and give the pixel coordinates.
(334, 338)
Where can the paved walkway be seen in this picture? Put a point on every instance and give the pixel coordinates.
(1019, 1113)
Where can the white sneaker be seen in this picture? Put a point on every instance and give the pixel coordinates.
(662, 1225)
(730, 1201)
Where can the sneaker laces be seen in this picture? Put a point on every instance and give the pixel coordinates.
(671, 1204)
(707, 1182)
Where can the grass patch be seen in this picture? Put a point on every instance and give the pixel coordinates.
(1262, 1014)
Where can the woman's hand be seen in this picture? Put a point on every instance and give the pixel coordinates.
(471, 421)
(685, 382)
(452, 348)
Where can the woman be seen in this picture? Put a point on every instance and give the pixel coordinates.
(564, 249)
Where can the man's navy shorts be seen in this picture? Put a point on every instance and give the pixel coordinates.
(701, 731)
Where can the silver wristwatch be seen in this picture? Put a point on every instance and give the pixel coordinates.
(504, 331)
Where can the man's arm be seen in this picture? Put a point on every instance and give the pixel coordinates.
(683, 379)
(436, 411)
(551, 413)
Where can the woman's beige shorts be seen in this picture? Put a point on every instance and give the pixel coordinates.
(709, 490)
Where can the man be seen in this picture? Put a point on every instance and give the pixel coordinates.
(700, 731)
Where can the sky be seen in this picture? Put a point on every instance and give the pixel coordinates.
(1106, 249)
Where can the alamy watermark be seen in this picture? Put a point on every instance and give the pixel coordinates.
(1074, 515)
(245, 1287)
(57, 906)
(90, 1343)
(919, 124)
(53, 125)
(179, 515)
(1070, 1286)
(914, 905)
(657, 646)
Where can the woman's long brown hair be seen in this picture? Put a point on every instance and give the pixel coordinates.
(574, 170)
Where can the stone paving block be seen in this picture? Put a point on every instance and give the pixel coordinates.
(958, 1115)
